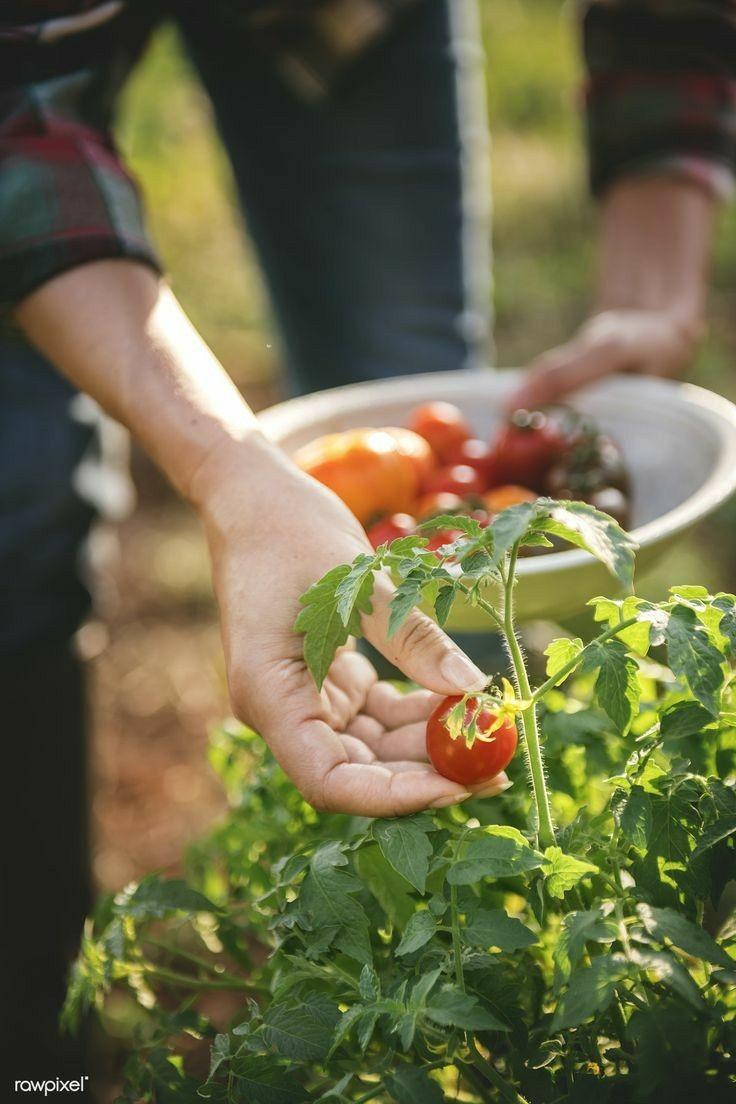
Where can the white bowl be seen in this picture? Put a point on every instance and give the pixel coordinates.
(678, 440)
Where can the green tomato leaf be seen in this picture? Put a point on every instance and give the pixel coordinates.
(443, 604)
(350, 591)
(633, 814)
(582, 525)
(590, 991)
(684, 718)
(497, 851)
(509, 526)
(155, 897)
(264, 1080)
(665, 923)
(450, 1007)
(726, 603)
(495, 928)
(326, 897)
(617, 687)
(420, 929)
(408, 594)
(715, 833)
(672, 973)
(560, 652)
(412, 1085)
(577, 929)
(563, 872)
(462, 522)
(304, 1030)
(321, 623)
(405, 846)
(392, 892)
(693, 658)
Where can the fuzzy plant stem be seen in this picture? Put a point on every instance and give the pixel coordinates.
(528, 715)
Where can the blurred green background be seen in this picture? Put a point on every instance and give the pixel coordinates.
(156, 649)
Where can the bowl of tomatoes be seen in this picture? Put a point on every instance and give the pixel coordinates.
(656, 455)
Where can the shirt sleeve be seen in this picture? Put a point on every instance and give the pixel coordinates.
(65, 197)
(660, 96)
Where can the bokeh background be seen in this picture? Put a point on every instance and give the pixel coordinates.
(154, 648)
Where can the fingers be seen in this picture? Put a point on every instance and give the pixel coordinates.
(408, 742)
(421, 649)
(347, 687)
(493, 788)
(563, 370)
(391, 708)
(377, 790)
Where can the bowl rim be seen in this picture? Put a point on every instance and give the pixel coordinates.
(720, 412)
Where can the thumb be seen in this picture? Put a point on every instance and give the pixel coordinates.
(421, 650)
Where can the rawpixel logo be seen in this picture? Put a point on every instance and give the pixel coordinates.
(48, 1087)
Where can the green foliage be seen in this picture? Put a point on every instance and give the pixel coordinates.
(459, 956)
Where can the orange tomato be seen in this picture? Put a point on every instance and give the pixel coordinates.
(443, 425)
(416, 449)
(365, 468)
(508, 495)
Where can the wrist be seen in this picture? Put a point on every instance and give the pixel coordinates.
(228, 483)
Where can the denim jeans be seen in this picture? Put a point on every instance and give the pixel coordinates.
(368, 212)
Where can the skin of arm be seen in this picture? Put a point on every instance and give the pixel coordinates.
(118, 334)
(654, 245)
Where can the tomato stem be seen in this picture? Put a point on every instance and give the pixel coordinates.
(456, 945)
(528, 716)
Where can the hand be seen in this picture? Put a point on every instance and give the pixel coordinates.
(648, 342)
(357, 746)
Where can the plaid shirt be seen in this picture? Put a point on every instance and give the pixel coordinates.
(661, 98)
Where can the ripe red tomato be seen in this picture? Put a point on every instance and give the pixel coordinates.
(469, 765)
(445, 536)
(442, 425)
(430, 505)
(479, 455)
(460, 479)
(390, 528)
(527, 447)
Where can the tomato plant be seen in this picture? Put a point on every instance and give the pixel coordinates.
(573, 940)
(468, 741)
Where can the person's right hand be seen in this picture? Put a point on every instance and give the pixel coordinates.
(358, 745)
(646, 342)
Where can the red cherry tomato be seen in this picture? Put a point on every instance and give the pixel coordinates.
(445, 536)
(526, 448)
(442, 425)
(390, 528)
(479, 455)
(460, 479)
(469, 765)
(430, 505)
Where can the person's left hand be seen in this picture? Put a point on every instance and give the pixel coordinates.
(380, 725)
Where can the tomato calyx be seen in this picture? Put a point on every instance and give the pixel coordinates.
(478, 716)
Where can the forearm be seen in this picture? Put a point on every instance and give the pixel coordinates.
(118, 334)
(655, 240)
